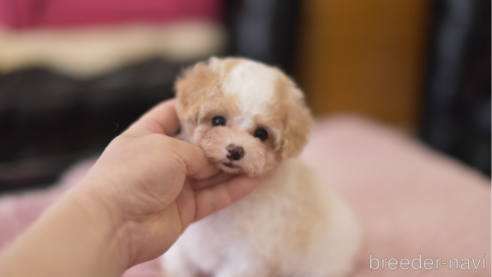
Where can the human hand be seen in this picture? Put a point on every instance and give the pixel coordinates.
(153, 185)
(133, 204)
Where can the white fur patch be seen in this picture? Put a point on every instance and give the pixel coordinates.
(254, 85)
(244, 122)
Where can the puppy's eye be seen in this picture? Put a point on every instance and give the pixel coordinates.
(218, 121)
(262, 134)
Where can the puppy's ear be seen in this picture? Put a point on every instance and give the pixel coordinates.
(298, 124)
(192, 89)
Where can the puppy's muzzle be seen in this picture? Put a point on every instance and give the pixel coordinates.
(234, 153)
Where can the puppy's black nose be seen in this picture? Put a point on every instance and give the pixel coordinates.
(234, 153)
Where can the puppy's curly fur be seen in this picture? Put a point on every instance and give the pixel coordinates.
(250, 118)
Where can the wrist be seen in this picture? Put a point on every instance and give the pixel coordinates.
(75, 237)
(105, 221)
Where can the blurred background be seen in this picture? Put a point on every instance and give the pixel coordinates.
(74, 74)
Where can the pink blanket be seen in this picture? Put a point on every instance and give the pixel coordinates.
(62, 13)
(413, 203)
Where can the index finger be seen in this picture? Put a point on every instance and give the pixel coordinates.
(162, 119)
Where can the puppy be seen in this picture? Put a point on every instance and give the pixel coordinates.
(250, 118)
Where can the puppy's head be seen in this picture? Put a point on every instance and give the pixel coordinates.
(246, 116)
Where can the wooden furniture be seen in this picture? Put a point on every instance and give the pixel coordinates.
(366, 57)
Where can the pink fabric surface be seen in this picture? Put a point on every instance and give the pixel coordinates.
(409, 199)
(60, 13)
(18, 211)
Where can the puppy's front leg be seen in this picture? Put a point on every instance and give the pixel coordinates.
(244, 268)
(176, 263)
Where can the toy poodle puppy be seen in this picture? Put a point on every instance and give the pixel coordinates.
(251, 119)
